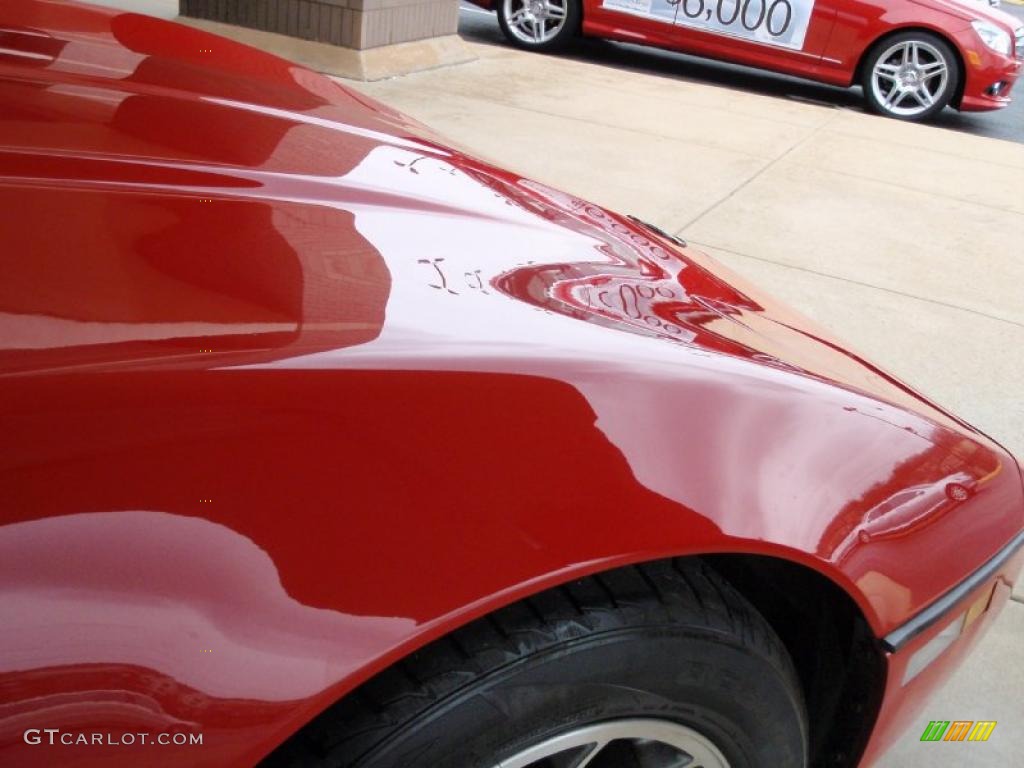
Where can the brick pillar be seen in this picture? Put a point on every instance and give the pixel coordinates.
(421, 31)
(356, 24)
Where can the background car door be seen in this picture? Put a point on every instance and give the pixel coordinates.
(785, 35)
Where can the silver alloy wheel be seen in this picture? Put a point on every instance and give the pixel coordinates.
(535, 21)
(909, 78)
(650, 743)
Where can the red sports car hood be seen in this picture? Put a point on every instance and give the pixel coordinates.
(172, 198)
(178, 206)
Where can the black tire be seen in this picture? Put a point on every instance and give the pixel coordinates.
(561, 40)
(932, 43)
(671, 641)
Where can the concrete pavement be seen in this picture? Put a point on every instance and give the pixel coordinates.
(905, 240)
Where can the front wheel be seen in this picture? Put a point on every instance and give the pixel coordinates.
(539, 25)
(660, 666)
(910, 76)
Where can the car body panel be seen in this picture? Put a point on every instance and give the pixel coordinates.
(601, 21)
(851, 38)
(288, 389)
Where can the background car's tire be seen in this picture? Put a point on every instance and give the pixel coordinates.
(539, 25)
(668, 648)
(910, 76)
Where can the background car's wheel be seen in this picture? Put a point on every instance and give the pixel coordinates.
(539, 25)
(653, 666)
(910, 76)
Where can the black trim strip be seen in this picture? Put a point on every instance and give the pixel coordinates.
(934, 612)
(657, 230)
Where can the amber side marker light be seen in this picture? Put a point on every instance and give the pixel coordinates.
(934, 648)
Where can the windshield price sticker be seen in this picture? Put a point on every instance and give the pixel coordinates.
(782, 23)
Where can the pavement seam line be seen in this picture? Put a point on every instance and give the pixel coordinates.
(946, 152)
(588, 121)
(756, 175)
(861, 283)
(915, 190)
(703, 106)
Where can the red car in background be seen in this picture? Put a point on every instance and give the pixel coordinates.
(324, 444)
(911, 57)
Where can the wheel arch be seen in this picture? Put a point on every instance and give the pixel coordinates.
(858, 71)
(840, 666)
(840, 663)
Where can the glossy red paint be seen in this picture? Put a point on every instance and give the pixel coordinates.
(288, 389)
(839, 35)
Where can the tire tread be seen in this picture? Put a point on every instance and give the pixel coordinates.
(683, 592)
